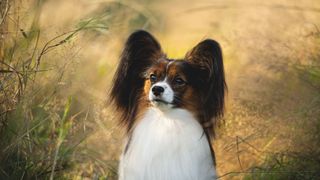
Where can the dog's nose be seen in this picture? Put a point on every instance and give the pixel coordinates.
(157, 90)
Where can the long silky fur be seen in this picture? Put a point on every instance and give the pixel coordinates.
(207, 56)
(140, 51)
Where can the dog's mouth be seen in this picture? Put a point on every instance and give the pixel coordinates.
(160, 101)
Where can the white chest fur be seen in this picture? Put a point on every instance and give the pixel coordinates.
(167, 145)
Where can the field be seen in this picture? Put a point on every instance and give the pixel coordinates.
(58, 57)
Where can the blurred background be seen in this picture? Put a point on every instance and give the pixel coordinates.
(58, 57)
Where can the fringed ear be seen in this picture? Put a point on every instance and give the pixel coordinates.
(207, 57)
(140, 51)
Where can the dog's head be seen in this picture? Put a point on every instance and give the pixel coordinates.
(146, 77)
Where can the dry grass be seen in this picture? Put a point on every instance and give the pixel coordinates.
(57, 59)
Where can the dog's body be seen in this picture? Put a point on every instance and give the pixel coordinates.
(169, 108)
(167, 145)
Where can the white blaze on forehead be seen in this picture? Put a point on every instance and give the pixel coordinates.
(167, 67)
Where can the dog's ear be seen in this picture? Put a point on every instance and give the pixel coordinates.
(207, 58)
(140, 51)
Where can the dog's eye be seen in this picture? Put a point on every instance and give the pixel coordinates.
(153, 78)
(179, 81)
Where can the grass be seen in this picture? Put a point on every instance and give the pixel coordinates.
(55, 73)
(45, 122)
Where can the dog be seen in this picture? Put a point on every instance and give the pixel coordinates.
(169, 108)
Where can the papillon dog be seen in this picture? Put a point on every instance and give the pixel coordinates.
(169, 108)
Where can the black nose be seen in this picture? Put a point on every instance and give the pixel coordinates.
(157, 90)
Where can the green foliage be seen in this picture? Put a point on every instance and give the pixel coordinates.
(43, 124)
(304, 161)
(49, 110)
(287, 166)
